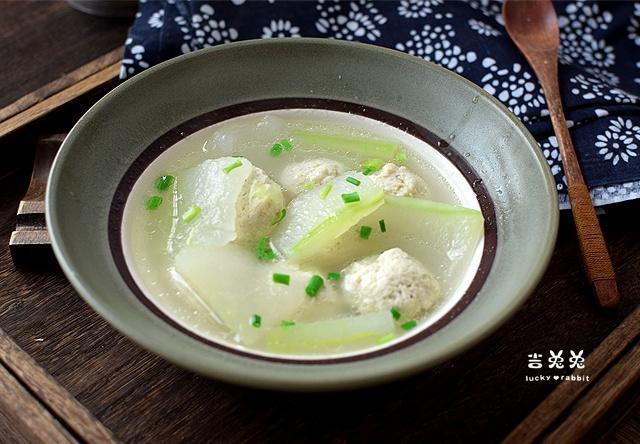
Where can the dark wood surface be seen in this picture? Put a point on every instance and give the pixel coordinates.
(481, 395)
(41, 40)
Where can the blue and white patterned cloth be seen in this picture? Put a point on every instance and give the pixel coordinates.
(599, 72)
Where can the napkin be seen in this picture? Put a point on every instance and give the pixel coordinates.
(599, 61)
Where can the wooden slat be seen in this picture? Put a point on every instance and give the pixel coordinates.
(61, 83)
(592, 407)
(25, 418)
(567, 394)
(40, 109)
(65, 407)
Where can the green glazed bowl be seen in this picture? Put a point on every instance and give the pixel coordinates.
(108, 139)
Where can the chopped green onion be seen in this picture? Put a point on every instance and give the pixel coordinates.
(365, 232)
(264, 251)
(371, 166)
(386, 338)
(383, 226)
(353, 180)
(164, 182)
(286, 323)
(325, 191)
(309, 186)
(395, 313)
(283, 279)
(154, 202)
(191, 213)
(314, 286)
(350, 197)
(233, 166)
(279, 216)
(256, 320)
(333, 276)
(286, 144)
(276, 150)
(408, 325)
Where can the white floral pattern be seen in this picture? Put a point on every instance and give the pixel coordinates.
(619, 142)
(202, 30)
(604, 75)
(349, 21)
(579, 43)
(490, 8)
(157, 19)
(136, 62)
(551, 153)
(417, 8)
(514, 86)
(634, 25)
(280, 28)
(433, 43)
(483, 28)
(590, 88)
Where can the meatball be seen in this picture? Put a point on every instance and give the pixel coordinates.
(257, 205)
(399, 181)
(391, 279)
(297, 177)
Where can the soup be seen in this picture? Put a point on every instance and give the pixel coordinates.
(302, 232)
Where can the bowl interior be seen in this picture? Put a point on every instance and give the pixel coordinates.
(112, 135)
(459, 183)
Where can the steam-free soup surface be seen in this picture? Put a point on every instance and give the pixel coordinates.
(304, 232)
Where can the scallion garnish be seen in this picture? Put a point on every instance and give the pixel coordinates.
(386, 338)
(333, 276)
(154, 202)
(325, 191)
(286, 144)
(365, 232)
(408, 325)
(279, 216)
(353, 180)
(350, 197)
(383, 226)
(191, 213)
(276, 150)
(233, 166)
(314, 286)
(256, 320)
(164, 182)
(309, 186)
(371, 166)
(395, 313)
(264, 251)
(283, 279)
(286, 323)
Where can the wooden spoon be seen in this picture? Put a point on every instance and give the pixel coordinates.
(533, 26)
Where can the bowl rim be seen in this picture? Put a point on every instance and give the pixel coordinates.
(500, 316)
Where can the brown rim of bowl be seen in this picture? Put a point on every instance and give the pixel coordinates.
(189, 127)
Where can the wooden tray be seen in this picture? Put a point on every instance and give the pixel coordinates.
(69, 376)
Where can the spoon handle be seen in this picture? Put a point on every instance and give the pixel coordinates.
(593, 248)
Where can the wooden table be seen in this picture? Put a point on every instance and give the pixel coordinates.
(481, 395)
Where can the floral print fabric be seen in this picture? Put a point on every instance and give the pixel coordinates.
(599, 61)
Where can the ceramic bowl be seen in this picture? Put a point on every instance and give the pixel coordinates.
(146, 114)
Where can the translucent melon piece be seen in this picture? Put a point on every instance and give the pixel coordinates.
(215, 192)
(236, 285)
(313, 222)
(442, 237)
(369, 147)
(316, 336)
